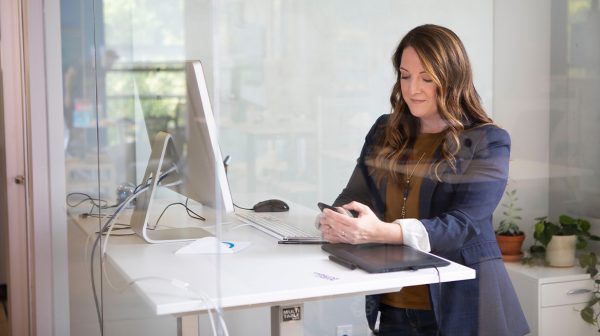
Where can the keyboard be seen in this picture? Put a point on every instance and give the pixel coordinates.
(279, 228)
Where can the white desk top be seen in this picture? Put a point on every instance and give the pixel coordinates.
(264, 273)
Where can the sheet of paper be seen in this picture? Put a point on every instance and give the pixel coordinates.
(210, 245)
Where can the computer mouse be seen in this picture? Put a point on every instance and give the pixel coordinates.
(272, 205)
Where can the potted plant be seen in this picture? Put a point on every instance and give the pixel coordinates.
(589, 313)
(546, 232)
(509, 235)
(557, 243)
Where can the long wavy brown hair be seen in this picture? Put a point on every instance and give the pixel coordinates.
(445, 59)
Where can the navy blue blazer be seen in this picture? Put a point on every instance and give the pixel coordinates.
(457, 214)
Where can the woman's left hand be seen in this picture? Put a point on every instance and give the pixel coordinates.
(365, 228)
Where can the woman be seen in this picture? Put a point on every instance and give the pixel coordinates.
(429, 176)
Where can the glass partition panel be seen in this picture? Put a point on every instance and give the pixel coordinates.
(83, 162)
(300, 84)
(574, 117)
(293, 88)
(131, 131)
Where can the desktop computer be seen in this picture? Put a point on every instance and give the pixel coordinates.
(199, 174)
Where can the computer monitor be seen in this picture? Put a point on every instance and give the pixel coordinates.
(207, 181)
(197, 173)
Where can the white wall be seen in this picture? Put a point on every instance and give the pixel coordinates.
(300, 87)
(521, 100)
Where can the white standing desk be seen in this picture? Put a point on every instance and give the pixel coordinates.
(263, 274)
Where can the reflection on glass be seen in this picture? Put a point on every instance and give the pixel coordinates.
(299, 87)
(575, 119)
(294, 86)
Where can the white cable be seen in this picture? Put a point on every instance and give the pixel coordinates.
(199, 295)
(109, 225)
(175, 282)
(172, 184)
(87, 244)
(98, 239)
(115, 215)
(205, 298)
(242, 225)
(103, 250)
(120, 208)
(88, 239)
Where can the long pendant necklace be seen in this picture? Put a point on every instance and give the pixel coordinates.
(407, 185)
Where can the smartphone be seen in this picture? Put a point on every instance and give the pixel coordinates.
(324, 206)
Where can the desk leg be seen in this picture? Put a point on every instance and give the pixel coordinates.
(287, 320)
(188, 325)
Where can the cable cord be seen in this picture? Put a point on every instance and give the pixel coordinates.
(100, 203)
(239, 207)
(205, 298)
(103, 204)
(129, 199)
(108, 225)
(196, 294)
(95, 202)
(439, 325)
(189, 211)
(111, 225)
(179, 284)
(141, 188)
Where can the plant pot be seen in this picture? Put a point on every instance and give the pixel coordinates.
(560, 251)
(510, 246)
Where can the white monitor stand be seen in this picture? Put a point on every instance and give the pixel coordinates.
(162, 170)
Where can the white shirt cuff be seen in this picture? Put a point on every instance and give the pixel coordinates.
(414, 234)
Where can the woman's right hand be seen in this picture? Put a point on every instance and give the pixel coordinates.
(365, 228)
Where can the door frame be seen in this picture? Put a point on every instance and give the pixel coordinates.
(34, 214)
(14, 144)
